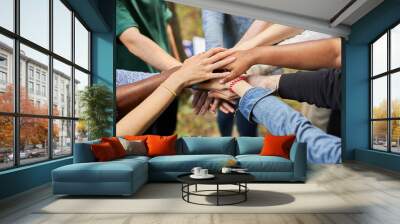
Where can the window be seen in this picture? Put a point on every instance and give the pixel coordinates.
(44, 125)
(44, 91)
(3, 78)
(3, 61)
(30, 72)
(6, 73)
(81, 45)
(385, 94)
(7, 14)
(30, 87)
(37, 89)
(34, 22)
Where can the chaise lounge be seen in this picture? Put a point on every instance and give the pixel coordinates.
(125, 176)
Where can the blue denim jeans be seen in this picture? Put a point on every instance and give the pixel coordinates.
(280, 119)
(244, 127)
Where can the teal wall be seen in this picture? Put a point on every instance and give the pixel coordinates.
(98, 15)
(356, 85)
(103, 53)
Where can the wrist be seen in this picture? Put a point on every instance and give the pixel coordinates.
(175, 82)
(257, 55)
(241, 87)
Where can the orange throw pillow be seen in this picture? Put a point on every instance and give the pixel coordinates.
(116, 145)
(277, 145)
(103, 151)
(161, 145)
(136, 137)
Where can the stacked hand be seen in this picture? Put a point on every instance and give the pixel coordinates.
(216, 93)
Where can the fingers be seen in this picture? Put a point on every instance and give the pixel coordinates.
(205, 106)
(228, 107)
(218, 94)
(214, 105)
(213, 51)
(233, 75)
(222, 63)
(219, 56)
(196, 97)
(224, 110)
(200, 102)
(218, 75)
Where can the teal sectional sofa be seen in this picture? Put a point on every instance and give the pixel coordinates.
(125, 176)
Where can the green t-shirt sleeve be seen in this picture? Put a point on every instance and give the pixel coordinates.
(124, 18)
(167, 14)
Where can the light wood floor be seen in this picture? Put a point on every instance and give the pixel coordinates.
(378, 188)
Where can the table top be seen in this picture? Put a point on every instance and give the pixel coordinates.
(220, 178)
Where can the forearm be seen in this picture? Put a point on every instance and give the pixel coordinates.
(256, 27)
(172, 43)
(130, 95)
(270, 36)
(144, 48)
(258, 105)
(309, 55)
(139, 119)
(321, 88)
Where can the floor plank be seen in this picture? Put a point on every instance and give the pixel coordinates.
(353, 182)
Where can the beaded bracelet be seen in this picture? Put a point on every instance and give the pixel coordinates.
(233, 82)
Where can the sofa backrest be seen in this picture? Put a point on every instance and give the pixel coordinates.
(249, 145)
(83, 153)
(206, 145)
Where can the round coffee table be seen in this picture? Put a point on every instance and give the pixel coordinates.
(238, 179)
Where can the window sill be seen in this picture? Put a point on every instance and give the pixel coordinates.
(30, 166)
(382, 159)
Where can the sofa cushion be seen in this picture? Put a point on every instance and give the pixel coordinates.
(103, 152)
(206, 145)
(161, 145)
(112, 171)
(249, 145)
(277, 145)
(83, 152)
(257, 163)
(185, 163)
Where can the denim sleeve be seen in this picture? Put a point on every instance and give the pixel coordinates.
(124, 77)
(280, 119)
(213, 28)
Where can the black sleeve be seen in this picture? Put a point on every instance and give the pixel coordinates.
(322, 87)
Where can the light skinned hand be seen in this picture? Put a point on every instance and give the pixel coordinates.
(226, 95)
(200, 67)
(244, 60)
(224, 106)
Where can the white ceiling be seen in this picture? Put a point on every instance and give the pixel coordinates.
(327, 16)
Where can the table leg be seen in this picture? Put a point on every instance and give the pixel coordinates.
(195, 188)
(217, 194)
(245, 193)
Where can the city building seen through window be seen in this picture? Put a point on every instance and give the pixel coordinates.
(44, 65)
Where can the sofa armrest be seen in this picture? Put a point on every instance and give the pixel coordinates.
(83, 152)
(298, 155)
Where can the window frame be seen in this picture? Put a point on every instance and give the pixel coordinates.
(388, 74)
(16, 115)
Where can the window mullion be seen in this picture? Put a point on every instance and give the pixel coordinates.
(16, 84)
(73, 83)
(50, 81)
(389, 101)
